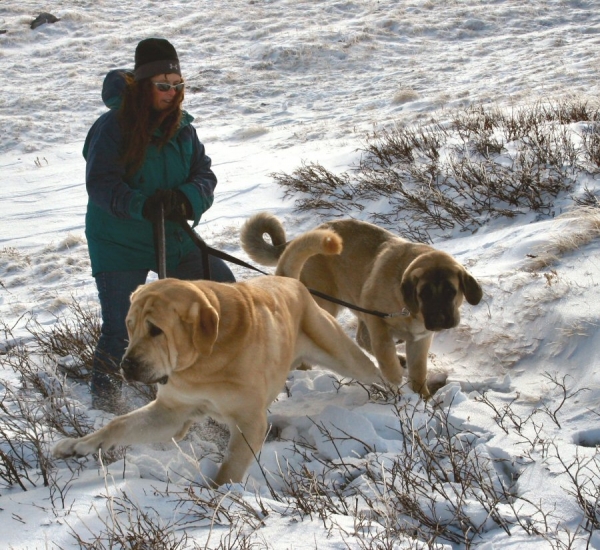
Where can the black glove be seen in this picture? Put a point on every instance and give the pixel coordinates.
(175, 204)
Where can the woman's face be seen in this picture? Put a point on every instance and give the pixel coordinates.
(162, 100)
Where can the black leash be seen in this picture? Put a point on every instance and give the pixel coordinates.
(403, 313)
(160, 246)
(208, 250)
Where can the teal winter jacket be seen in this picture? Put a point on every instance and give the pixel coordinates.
(119, 238)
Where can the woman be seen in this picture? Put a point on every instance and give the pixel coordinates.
(142, 155)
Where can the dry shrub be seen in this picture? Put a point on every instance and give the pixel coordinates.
(483, 164)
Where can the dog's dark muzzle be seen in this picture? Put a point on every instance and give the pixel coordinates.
(136, 371)
(441, 321)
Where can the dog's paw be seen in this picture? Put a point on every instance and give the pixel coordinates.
(66, 448)
(420, 388)
(436, 381)
(394, 377)
(393, 372)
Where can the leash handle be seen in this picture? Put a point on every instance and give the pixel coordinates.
(160, 243)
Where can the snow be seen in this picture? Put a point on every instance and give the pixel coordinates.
(273, 83)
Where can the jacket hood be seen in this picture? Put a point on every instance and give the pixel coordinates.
(113, 87)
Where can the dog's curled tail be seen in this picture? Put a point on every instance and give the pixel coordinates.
(317, 241)
(253, 241)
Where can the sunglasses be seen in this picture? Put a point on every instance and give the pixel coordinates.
(166, 87)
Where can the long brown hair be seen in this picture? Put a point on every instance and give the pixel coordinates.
(139, 120)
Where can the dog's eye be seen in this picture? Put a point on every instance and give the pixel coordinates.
(153, 330)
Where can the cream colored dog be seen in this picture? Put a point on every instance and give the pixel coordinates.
(224, 351)
(421, 287)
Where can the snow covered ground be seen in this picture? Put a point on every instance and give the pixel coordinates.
(273, 83)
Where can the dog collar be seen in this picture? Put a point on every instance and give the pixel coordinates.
(403, 313)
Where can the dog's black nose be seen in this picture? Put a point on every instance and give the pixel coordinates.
(128, 366)
(441, 322)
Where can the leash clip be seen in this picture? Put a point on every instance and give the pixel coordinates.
(404, 313)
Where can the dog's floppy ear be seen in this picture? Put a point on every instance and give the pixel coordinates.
(135, 293)
(470, 288)
(205, 322)
(408, 287)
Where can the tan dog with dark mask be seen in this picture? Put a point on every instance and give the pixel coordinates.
(422, 287)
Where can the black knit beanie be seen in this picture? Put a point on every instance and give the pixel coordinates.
(155, 56)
